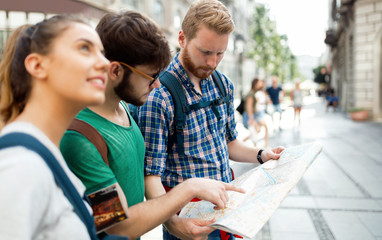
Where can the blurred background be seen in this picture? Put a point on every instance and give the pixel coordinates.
(293, 39)
(325, 45)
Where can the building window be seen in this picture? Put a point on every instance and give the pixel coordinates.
(16, 19)
(3, 19)
(177, 20)
(133, 3)
(34, 18)
(159, 12)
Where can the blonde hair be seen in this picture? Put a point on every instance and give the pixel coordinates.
(211, 13)
(8, 110)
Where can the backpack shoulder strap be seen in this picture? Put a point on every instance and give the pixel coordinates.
(216, 76)
(219, 82)
(92, 135)
(180, 109)
(62, 180)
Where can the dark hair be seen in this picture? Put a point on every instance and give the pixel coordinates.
(17, 82)
(254, 83)
(134, 39)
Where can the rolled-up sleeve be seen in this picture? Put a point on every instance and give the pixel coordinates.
(153, 123)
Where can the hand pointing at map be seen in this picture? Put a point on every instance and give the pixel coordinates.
(214, 191)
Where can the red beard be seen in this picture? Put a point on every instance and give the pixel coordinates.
(199, 72)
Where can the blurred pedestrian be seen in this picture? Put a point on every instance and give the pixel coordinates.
(297, 98)
(276, 93)
(56, 68)
(255, 104)
(331, 100)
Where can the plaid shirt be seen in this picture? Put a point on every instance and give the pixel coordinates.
(205, 138)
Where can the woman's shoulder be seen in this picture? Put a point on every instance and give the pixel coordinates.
(251, 93)
(27, 165)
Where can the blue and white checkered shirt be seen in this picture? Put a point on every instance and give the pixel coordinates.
(205, 137)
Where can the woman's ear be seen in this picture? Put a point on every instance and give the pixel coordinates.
(36, 66)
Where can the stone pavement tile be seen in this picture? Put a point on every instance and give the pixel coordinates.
(294, 191)
(346, 226)
(293, 236)
(375, 188)
(353, 204)
(324, 178)
(298, 202)
(293, 221)
(361, 171)
(372, 221)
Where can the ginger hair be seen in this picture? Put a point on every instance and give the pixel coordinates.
(210, 13)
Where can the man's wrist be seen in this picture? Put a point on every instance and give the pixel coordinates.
(170, 222)
(259, 159)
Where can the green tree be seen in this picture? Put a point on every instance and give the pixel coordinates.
(271, 51)
(320, 74)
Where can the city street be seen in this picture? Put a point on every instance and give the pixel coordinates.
(340, 195)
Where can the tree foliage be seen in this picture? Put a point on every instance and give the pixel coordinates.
(320, 74)
(270, 50)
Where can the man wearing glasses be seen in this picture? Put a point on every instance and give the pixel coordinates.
(137, 51)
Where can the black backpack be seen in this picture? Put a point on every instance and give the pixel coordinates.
(182, 108)
(241, 106)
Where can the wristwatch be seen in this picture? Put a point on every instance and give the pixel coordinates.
(259, 156)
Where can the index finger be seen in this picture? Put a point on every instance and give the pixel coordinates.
(231, 187)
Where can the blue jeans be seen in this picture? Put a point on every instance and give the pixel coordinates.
(277, 108)
(215, 235)
(258, 116)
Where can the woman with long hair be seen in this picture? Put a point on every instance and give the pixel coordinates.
(255, 103)
(53, 70)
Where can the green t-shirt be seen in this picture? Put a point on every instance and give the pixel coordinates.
(126, 156)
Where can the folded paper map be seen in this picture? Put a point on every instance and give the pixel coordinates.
(266, 187)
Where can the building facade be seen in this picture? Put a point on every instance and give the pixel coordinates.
(18, 12)
(166, 13)
(355, 40)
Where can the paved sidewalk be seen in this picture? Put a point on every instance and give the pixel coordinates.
(340, 195)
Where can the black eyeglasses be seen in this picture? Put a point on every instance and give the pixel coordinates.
(151, 78)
